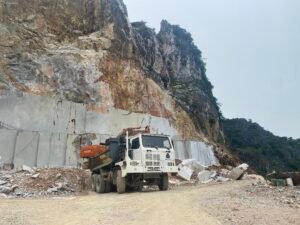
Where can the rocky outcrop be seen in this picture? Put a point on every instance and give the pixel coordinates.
(87, 52)
(173, 61)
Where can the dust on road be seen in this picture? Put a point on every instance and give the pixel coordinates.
(181, 205)
(171, 207)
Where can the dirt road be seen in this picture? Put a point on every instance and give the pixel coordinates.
(207, 205)
(172, 207)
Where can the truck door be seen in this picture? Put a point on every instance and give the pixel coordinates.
(136, 149)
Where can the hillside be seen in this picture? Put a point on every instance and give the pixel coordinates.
(91, 54)
(69, 68)
(263, 150)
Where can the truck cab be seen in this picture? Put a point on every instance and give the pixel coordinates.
(149, 153)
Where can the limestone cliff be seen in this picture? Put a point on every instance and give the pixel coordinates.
(87, 52)
(175, 63)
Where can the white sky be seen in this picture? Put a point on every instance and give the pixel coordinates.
(252, 52)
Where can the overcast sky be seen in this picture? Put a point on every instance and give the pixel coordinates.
(252, 52)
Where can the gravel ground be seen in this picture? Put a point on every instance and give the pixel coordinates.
(249, 202)
(231, 203)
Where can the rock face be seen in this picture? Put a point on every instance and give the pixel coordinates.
(173, 61)
(87, 53)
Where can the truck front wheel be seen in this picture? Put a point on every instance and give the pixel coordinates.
(100, 183)
(121, 183)
(164, 182)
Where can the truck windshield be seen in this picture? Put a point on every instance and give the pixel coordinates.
(156, 142)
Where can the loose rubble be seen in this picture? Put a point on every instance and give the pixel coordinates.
(188, 168)
(32, 182)
(205, 176)
(192, 171)
(192, 174)
(238, 172)
(289, 182)
(289, 195)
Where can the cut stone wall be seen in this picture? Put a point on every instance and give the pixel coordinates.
(44, 132)
(26, 149)
(7, 146)
(38, 149)
(200, 151)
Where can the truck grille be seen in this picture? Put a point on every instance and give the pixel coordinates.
(150, 163)
(156, 163)
(153, 162)
(156, 157)
(153, 169)
(149, 156)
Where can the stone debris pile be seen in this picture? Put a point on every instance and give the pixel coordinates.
(289, 195)
(32, 182)
(192, 171)
(189, 168)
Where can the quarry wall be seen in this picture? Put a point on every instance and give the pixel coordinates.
(42, 132)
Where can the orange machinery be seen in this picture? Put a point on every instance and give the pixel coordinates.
(92, 151)
(96, 154)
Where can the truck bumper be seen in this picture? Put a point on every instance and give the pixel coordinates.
(148, 169)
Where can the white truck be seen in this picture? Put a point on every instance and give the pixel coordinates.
(134, 159)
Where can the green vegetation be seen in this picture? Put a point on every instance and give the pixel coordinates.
(185, 43)
(263, 151)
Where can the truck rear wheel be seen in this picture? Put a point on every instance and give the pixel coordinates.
(100, 183)
(164, 182)
(139, 188)
(108, 186)
(121, 183)
(93, 181)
